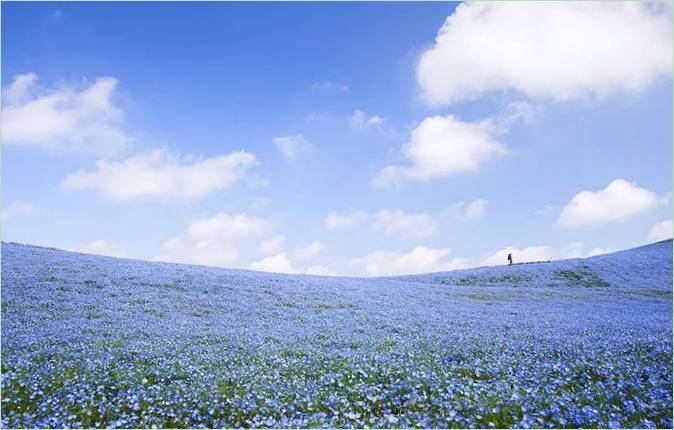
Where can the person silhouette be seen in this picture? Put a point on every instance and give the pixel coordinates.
(510, 259)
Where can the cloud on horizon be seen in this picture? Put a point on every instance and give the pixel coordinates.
(661, 231)
(292, 262)
(101, 247)
(213, 241)
(420, 259)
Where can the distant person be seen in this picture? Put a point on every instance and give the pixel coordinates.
(510, 259)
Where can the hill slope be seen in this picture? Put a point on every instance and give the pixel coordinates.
(99, 341)
(645, 266)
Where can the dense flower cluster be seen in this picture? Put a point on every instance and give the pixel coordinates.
(101, 342)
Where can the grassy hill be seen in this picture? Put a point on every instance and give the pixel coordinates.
(99, 341)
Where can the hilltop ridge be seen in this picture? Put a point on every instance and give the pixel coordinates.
(621, 268)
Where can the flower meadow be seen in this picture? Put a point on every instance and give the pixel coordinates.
(91, 341)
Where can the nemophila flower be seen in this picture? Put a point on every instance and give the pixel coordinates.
(98, 342)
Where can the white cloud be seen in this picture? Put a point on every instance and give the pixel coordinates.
(291, 146)
(441, 146)
(360, 121)
(279, 263)
(335, 220)
(419, 260)
(661, 231)
(331, 86)
(18, 209)
(63, 118)
(401, 223)
(391, 222)
(284, 262)
(557, 51)
(475, 209)
(101, 247)
(619, 200)
(20, 90)
(160, 174)
(599, 251)
(271, 246)
(319, 269)
(515, 112)
(308, 252)
(212, 241)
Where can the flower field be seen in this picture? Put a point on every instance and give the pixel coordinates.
(91, 341)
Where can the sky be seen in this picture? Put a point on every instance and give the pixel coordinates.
(358, 139)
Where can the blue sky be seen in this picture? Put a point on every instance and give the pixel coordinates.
(337, 138)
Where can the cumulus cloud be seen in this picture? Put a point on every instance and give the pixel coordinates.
(661, 231)
(619, 200)
(309, 252)
(319, 269)
(419, 260)
(291, 146)
(441, 146)
(212, 241)
(556, 51)
(18, 209)
(599, 251)
(360, 121)
(475, 209)
(19, 91)
(287, 262)
(518, 111)
(391, 222)
(64, 118)
(161, 174)
(271, 246)
(279, 263)
(101, 247)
